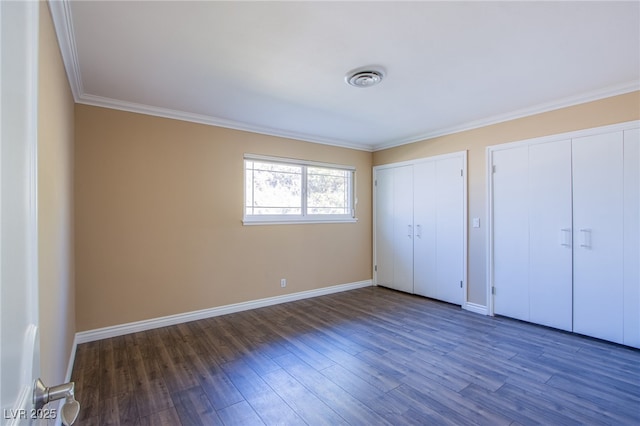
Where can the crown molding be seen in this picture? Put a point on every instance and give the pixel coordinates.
(63, 24)
(230, 124)
(595, 95)
(213, 121)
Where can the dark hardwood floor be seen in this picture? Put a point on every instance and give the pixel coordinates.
(371, 356)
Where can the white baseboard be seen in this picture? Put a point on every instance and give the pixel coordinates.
(474, 307)
(134, 327)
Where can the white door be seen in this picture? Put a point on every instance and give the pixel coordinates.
(403, 228)
(510, 232)
(394, 228)
(19, 355)
(450, 223)
(424, 245)
(598, 236)
(550, 236)
(384, 227)
(632, 238)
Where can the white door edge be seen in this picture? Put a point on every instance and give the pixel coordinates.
(20, 347)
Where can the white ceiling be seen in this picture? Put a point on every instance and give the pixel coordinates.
(278, 67)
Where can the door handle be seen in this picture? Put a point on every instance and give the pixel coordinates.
(43, 395)
(418, 231)
(565, 237)
(585, 233)
(409, 231)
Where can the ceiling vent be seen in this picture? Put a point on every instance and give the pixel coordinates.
(364, 77)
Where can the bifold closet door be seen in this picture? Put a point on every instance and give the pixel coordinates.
(420, 220)
(566, 234)
(550, 234)
(439, 229)
(403, 228)
(511, 232)
(532, 233)
(394, 228)
(598, 236)
(424, 245)
(449, 205)
(384, 227)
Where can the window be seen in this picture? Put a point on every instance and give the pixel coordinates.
(291, 191)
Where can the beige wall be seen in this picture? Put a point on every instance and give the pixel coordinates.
(55, 206)
(612, 110)
(158, 207)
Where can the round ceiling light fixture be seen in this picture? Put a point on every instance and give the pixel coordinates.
(364, 77)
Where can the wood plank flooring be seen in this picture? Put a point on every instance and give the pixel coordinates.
(371, 356)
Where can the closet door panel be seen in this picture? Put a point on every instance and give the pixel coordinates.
(598, 236)
(550, 238)
(631, 237)
(449, 205)
(511, 233)
(424, 245)
(403, 228)
(384, 227)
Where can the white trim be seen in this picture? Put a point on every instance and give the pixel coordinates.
(133, 327)
(237, 125)
(374, 218)
(474, 307)
(489, 230)
(63, 24)
(607, 92)
(421, 160)
(252, 222)
(213, 121)
(489, 182)
(465, 228)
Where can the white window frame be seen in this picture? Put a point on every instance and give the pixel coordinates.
(304, 217)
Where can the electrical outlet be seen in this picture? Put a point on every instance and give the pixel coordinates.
(283, 282)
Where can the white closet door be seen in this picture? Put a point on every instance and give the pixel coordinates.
(632, 238)
(424, 245)
(384, 227)
(403, 228)
(511, 233)
(598, 236)
(449, 206)
(550, 238)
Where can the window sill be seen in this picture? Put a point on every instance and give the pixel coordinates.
(250, 222)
